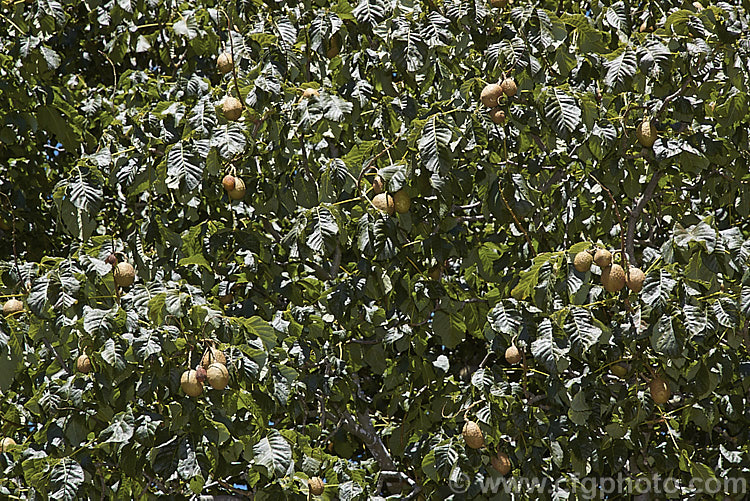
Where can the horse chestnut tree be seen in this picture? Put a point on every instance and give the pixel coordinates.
(354, 209)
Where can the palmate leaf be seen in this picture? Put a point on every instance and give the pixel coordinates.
(653, 53)
(434, 146)
(323, 27)
(656, 288)
(63, 287)
(589, 38)
(146, 344)
(409, 51)
(579, 326)
(120, 429)
(113, 354)
(617, 16)
(50, 8)
(85, 193)
(361, 154)
(97, 321)
(508, 52)
(697, 320)
(505, 317)
(322, 229)
(274, 454)
(287, 33)
(65, 479)
(370, 11)
(334, 179)
(187, 26)
(291, 239)
(260, 329)
(561, 111)
(364, 240)
(384, 237)
(362, 91)
(552, 31)
(530, 278)
(203, 116)
(229, 140)
(37, 299)
(330, 107)
(482, 379)
(140, 295)
(545, 349)
(269, 80)
(473, 11)
(434, 31)
(349, 491)
(183, 166)
(663, 338)
(620, 69)
(701, 233)
(445, 457)
(725, 311)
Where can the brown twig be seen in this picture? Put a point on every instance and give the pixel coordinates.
(400, 476)
(230, 25)
(13, 240)
(635, 214)
(239, 492)
(362, 428)
(114, 83)
(525, 377)
(619, 219)
(516, 221)
(685, 82)
(369, 165)
(554, 178)
(304, 155)
(57, 355)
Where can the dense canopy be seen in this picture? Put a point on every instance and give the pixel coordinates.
(382, 248)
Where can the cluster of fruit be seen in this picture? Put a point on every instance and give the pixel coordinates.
(12, 306)
(5, 443)
(212, 368)
(316, 486)
(234, 186)
(124, 276)
(389, 203)
(83, 364)
(659, 387)
(645, 131)
(474, 439)
(614, 277)
(491, 95)
(123, 272)
(232, 107)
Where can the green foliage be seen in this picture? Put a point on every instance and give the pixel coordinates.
(357, 343)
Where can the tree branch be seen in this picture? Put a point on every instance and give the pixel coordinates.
(362, 428)
(617, 213)
(635, 214)
(554, 178)
(400, 477)
(57, 355)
